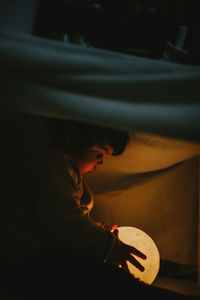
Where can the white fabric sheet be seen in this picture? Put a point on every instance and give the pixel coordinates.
(68, 81)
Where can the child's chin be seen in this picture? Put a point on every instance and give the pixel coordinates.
(90, 172)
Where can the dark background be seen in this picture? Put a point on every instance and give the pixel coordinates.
(138, 27)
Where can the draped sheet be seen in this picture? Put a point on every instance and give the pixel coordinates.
(114, 89)
(153, 185)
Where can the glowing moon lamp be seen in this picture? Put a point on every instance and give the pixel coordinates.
(141, 241)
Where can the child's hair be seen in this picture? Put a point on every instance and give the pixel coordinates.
(75, 137)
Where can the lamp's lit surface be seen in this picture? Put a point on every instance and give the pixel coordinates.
(140, 240)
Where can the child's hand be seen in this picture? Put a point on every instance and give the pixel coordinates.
(122, 253)
(113, 227)
(106, 226)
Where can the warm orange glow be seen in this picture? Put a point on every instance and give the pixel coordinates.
(140, 240)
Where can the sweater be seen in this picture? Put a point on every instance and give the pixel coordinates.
(46, 202)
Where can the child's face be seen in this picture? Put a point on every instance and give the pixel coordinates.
(93, 158)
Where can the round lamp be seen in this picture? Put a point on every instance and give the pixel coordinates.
(141, 241)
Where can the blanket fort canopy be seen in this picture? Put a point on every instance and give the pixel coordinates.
(68, 81)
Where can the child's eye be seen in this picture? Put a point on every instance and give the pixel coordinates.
(99, 156)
